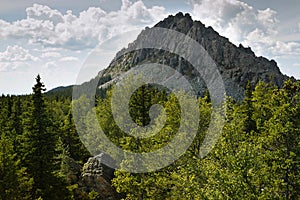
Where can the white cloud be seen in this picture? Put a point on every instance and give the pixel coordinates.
(50, 54)
(286, 48)
(3, 24)
(44, 13)
(296, 64)
(69, 59)
(237, 20)
(16, 54)
(13, 66)
(50, 27)
(50, 65)
(15, 58)
(267, 18)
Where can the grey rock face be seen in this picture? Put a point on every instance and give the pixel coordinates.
(97, 177)
(237, 65)
(95, 167)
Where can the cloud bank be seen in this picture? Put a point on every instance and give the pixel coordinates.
(51, 28)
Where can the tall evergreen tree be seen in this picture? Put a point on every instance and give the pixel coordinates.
(39, 146)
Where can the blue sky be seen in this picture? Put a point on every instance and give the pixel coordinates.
(55, 38)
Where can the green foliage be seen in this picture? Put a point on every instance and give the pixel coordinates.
(70, 138)
(258, 162)
(93, 195)
(9, 181)
(256, 157)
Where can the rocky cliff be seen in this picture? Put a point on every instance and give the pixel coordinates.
(237, 65)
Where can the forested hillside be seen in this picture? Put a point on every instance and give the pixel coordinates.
(256, 157)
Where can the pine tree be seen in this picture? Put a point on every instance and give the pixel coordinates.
(9, 181)
(39, 146)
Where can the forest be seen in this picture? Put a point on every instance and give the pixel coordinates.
(257, 155)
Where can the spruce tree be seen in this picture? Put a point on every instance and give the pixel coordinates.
(39, 146)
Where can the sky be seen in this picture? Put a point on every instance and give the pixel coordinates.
(57, 38)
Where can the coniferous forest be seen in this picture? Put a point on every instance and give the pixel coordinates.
(256, 157)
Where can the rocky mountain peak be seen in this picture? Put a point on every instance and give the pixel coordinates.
(179, 22)
(237, 65)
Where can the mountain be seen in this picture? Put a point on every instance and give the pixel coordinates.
(237, 65)
(60, 92)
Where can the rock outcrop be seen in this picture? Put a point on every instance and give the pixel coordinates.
(94, 178)
(237, 65)
(97, 177)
